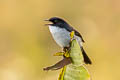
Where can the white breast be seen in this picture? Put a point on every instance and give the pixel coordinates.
(60, 35)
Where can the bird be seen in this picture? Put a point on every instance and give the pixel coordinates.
(60, 31)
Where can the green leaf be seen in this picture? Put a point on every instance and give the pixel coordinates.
(76, 70)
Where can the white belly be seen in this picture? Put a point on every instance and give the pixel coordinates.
(61, 36)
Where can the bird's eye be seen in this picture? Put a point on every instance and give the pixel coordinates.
(56, 21)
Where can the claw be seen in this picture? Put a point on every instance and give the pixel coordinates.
(66, 54)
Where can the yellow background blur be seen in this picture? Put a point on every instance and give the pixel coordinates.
(26, 45)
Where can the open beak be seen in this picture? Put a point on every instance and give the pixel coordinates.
(48, 23)
(46, 20)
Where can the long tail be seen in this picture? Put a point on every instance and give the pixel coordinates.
(86, 58)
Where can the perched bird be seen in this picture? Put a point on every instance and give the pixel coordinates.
(60, 31)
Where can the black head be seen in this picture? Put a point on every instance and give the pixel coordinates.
(57, 22)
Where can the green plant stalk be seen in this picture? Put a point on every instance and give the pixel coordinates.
(76, 70)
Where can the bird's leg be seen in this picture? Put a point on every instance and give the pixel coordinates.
(66, 54)
(62, 53)
(65, 49)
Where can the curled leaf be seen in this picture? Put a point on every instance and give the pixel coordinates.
(59, 65)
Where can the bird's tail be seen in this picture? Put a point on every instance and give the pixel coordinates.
(86, 58)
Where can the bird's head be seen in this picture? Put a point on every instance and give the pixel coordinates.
(56, 21)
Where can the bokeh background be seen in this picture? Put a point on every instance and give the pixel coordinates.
(26, 45)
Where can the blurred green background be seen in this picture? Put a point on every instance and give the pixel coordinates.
(26, 45)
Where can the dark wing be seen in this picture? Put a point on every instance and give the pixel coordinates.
(86, 58)
(69, 28)
(78, 34)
